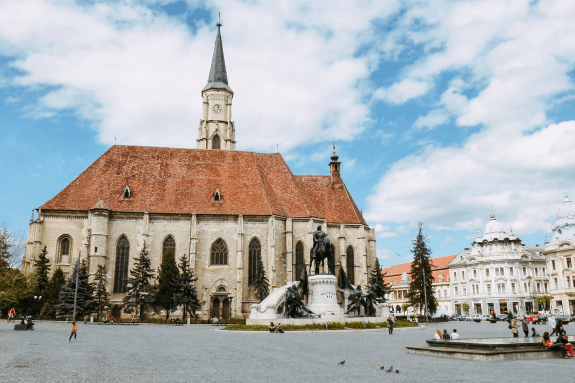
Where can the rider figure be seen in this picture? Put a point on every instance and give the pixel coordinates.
(318, 239)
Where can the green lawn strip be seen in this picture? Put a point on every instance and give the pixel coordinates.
(318, 326)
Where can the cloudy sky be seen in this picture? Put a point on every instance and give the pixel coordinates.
(441, 111)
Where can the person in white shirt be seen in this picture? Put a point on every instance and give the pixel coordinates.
(455, 335)
(437, 335)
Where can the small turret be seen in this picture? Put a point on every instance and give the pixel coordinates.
(335, 168)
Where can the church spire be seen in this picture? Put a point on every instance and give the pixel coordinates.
(218, 78)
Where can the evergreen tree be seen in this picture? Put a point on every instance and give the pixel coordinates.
(140, 290)
(16, 291)
(85, 303)
(41, 270)
(260, 281)
(52, 293)
(100, 294)
(376, 284)
(167, 287)
(421, 263)
(187, 295)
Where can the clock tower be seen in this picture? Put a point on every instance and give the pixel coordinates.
(217, 130)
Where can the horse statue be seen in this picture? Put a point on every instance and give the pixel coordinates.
(320, 251)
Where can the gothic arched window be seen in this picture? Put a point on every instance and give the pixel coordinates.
(350, 266)
(169, 244)
(64, 249)
(216, 142)
(298, 261)
(219, 253)
(122, 259)
(255, 251)
(332, 259)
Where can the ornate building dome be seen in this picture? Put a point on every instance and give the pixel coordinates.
(493, 230)
(564, 227)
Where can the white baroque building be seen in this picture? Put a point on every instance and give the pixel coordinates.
(498, 274)
(560, 256)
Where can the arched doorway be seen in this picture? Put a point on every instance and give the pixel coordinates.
(221, 307)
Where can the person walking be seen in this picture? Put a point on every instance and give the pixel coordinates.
(525, 327)
(11, 314)
(389, 325)
(514, 327)
(74, 331)
(551, 321)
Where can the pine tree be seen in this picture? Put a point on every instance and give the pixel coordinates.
(421, 263)
(376, 284)
(85, 303)
(167, 287)
(41, 270)
(140, 290)
(187, 295)
(52, 293)
(100, 294)
(260, 281)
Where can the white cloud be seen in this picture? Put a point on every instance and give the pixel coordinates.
(432, 119)
(521, 176)
(402, 91)
(511, 63)
(137, 74)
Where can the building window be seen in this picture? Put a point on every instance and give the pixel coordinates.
(350, 265)
(543, 271)
(474, 273)
(255, 252)
(487, 273)
(568, 263)
(169, 245)
(568, 281)
(525, 287)
(444, 293)
(455, 275)
(488, 288)
(538, 287)
(456, 291)
(553, 265)
(463, 276)
(524, 271)
(511, 271)
(219, 253)
(499, 271)
(529, 285)
(298, 261)
(65, 247)
(127, 192)
(513, 288)
(122, 260)
(536, 271)
(556, 284)
(216, 142)
(546, 286)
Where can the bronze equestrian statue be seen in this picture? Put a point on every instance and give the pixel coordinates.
(320, 251)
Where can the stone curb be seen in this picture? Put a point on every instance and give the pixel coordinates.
(419, 327)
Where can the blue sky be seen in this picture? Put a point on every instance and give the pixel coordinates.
(440, 110)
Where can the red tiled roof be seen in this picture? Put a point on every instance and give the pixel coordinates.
(440, 266)
(168, 180)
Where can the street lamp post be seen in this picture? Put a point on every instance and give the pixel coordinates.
(76, 292)
(425, 296)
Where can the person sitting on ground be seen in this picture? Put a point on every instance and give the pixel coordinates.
(280, 328)
(549, 345)
(216, 321)
(272, 327)
(455, 335)
(564, 340)
(437, 335)
(111, 320)
(446, 335)
(534, 332)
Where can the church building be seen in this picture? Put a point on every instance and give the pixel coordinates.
(220, 207)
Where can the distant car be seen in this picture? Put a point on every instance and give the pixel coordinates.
(452, 317)
(474, 317)
(501, 317)
(485, 317)
(564, 318)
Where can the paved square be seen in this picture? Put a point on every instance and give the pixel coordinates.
(161, 353)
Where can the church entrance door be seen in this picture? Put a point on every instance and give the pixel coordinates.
(215, 308)
(226, 310)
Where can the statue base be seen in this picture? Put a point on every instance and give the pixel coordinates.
(322, 298)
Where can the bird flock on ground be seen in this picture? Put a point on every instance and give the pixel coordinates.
(390, 369)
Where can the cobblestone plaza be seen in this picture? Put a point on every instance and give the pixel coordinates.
(154, 353)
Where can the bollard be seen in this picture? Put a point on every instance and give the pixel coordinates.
(91, 319)
(188, 319)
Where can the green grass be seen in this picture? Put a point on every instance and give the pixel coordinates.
(318, 326)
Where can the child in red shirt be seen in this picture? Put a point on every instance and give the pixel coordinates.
(74, 331)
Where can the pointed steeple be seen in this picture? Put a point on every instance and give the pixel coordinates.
(218, 77)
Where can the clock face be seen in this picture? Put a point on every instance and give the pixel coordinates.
(217, 109)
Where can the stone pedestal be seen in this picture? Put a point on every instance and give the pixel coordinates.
(322, 298)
